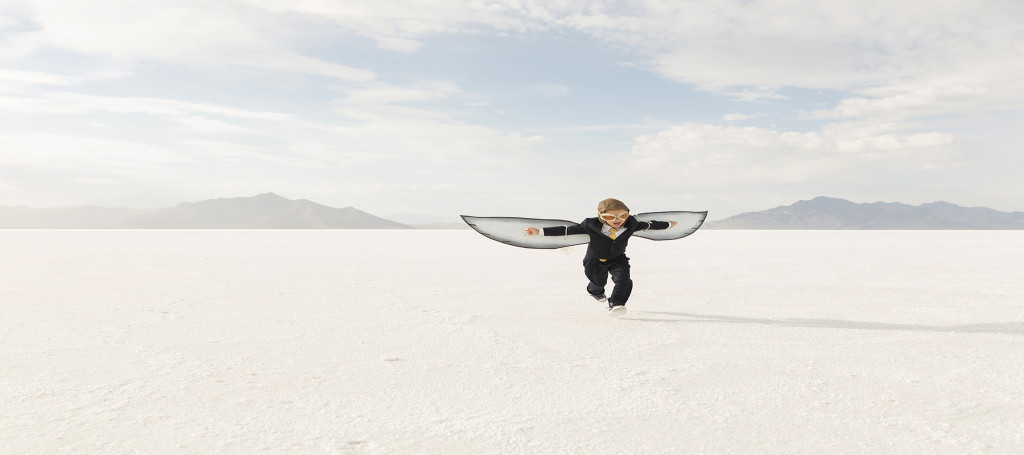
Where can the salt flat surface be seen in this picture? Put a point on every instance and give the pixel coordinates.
(408, 342)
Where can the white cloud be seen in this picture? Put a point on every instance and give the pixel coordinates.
(207, 125)
(930, 97)
(285, 61)
(195, 33)
(377, 122)
(146, 29)
(31, 78)
(69, 103)
(904, 59)
(902, 63)
(717, 45)
(295, 153)
(50, 151)
(388, 124)
(713, 156)
(410, 133)
(401, 25)
(813, 44)
(747, 50)
(740, 117)
(18, 82)
(379, 93)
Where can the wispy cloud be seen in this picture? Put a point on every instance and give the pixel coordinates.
(724, 156)
(878, 49)
(70, 103)
(71, 152)
(313, 90)
(740, 117)
(33, 78)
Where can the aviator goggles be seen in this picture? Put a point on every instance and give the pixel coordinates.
(609, 216)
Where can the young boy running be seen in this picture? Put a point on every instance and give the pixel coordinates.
(606, 252)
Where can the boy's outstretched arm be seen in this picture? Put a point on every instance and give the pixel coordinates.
(535, 231)
(658, 225)
(557, 230)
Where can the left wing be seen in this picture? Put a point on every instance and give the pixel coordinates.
(689, 222)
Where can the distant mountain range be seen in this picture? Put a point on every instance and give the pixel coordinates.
(832, 213)
(270, 211)
(264, 211)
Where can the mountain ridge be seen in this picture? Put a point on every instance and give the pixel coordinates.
(271, 211)
(263, 211)
(826, 213)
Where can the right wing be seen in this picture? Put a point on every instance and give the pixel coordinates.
(512, 231)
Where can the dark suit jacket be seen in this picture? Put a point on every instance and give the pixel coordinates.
(601, 246)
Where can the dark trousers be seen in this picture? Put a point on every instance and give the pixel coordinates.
(597, 272)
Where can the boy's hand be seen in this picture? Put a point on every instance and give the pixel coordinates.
(672, 224)
(532, 231)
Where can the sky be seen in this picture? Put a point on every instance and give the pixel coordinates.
(424, 110)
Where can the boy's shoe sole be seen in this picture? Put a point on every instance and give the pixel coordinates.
(600, 297)
(616, 311)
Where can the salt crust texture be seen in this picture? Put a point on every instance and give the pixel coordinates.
(410, 342)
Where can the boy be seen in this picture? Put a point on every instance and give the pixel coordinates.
(609, 234)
